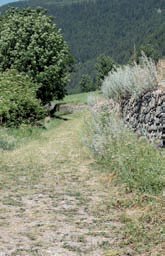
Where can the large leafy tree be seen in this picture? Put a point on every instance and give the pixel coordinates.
(31, 43)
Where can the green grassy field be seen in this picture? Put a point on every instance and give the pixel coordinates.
(81, 98)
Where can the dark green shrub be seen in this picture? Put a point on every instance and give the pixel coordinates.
(104, 65)
(18, 101)
(86, 84)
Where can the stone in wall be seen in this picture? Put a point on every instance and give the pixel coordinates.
(146, 115)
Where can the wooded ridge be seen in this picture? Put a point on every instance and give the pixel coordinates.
(108, 27)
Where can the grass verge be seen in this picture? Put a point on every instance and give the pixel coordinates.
(137, 168)
(138, 164)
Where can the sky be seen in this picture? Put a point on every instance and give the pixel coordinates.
(6, 1)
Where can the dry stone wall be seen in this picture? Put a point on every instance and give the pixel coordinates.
(146, 115)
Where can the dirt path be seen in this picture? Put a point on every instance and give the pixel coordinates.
(53, 201)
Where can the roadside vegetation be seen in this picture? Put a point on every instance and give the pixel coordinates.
(130, 161)
(137, 170)
(131, 80)
(138, 164)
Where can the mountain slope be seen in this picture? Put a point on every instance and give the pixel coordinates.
(93, 27)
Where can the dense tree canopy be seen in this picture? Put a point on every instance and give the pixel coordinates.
(31, 43)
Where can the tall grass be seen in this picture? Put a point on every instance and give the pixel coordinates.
(131, 79)
(136, 163)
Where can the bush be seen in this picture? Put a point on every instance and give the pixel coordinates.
(130, 80)
(149, 51)
(104, 65)
(18, 101)
(86, 84)
(137, 163)
(31, 43)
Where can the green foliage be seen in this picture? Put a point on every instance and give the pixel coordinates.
(18, 101)
(157, 38)
(94, 27)
(80, 69)
(137, 163)
(86, 84)
(131, 80)
(104, 64)
(31, 43)
(148, 50)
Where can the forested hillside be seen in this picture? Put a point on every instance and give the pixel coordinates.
(108, 27)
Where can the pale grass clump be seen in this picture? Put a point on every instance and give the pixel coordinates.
(134, 161)
(104, 126)
(92, 100)
(131, 80)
